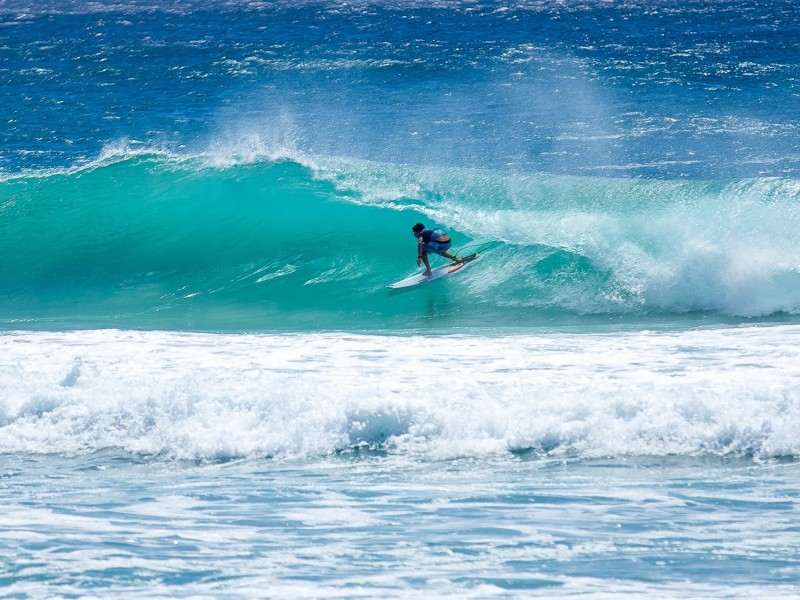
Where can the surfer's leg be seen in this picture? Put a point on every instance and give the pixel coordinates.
(428, 271)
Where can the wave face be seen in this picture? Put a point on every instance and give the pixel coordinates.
(153, 241)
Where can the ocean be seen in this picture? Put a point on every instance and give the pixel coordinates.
(207, 390)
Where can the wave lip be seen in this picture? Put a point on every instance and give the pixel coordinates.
(728, 392)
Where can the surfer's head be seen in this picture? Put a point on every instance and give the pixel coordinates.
(417, 228)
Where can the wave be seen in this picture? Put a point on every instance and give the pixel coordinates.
(149, 239)
(723, 391)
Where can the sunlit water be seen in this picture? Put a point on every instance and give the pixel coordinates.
(206, 389)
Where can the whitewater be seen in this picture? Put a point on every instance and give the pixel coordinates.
(207, 390)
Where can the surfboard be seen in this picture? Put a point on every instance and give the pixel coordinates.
(436, 273)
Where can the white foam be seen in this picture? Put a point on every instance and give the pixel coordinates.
(204, 395)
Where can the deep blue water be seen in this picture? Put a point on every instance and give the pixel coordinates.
(660, 89)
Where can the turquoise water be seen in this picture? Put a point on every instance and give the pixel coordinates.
(153, 241)
(206, 389)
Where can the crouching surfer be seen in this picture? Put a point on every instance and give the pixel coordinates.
(434, 241)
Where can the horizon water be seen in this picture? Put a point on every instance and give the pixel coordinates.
(206, 389)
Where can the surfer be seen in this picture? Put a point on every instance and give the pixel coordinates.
(431, 240)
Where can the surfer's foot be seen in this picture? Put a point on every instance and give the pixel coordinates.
(427, 273)
(458, 259)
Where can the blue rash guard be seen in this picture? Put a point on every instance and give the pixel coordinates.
(430, 245)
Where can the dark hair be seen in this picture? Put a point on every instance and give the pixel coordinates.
(418, 227)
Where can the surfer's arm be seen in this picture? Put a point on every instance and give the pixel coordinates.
(420, 251)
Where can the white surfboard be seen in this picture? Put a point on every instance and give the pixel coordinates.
(436, 273)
